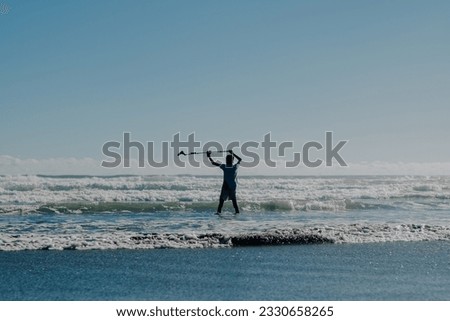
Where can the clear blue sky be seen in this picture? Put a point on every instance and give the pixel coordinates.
(74, 74)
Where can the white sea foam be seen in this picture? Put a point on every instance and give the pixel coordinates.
(354, 233)
(145, 212)
(18, 193)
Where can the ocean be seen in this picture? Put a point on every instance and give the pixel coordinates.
(158, 238)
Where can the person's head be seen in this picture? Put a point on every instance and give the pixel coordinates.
(229, 160)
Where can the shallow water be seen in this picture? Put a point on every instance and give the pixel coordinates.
(157, 238)
(374, 271)
(145, 212)
(188, 229)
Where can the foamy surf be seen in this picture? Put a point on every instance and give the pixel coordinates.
(339, 234)
(151, 212)
(72, 194)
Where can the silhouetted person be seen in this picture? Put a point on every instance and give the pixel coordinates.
(229, 180)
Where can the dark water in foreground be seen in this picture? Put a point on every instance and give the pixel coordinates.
(372, 271)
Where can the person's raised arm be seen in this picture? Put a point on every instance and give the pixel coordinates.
(208, 153)
(237, 157)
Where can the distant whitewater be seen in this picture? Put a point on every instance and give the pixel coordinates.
(135, 212)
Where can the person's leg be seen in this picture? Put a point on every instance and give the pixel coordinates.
(233, 199)
(223, 197)
(236, 208)
(219, 209)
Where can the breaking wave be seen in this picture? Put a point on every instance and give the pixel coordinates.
(80, 194)
(342, 234)
(150, 212)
